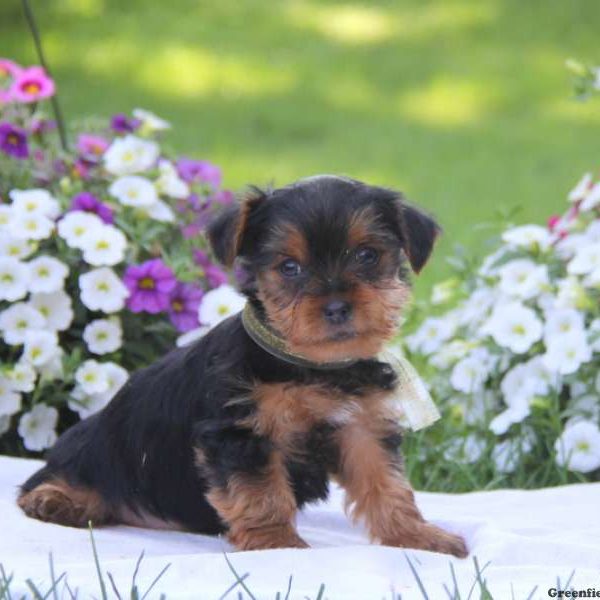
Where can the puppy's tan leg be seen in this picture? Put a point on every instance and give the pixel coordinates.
(259, 509)
(378, 493)
(58, 502)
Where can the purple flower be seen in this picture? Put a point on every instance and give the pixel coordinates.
(199, 171)
(150, 285)
(183, 306)
(123, 124)
(214, 275)
(13, 141)
(223, 197)
(41, 126)
(87, 202)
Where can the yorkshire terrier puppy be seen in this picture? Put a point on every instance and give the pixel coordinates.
(238, 431)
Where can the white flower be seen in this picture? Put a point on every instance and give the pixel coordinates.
(592, 233)
(591, 199)
(15, 247)
(489, 265)
(31, 227)
(10, 400)
(6, 216)
(130, 154)
(468, 375)
(160, 211)
(75, 227)
(514, 326)
(581, 189)
(53, 369)
(578, 447)
(169, 183)
(523, 278)
(102, 290)
(37, 427)
(586, 260)
(134, 190)
(104, 246)
(501, 423)
(519, 385)
(569, 293)
(19, 319)
(432, 333)
(117, 376)
(565, 354)
(40, 347)
(150, 121)
(468, 450)
(46, 274)
(191, 336)
(87, 404)
(506, 454)
(22, 377)
(103, 336)
(449, 354)
(34, 202)
(14, 279)
(218, 304)
(561, 322)
(56, 308)
(92, 378)
(528, 236)
(477, 307)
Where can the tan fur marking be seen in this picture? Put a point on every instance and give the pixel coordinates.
(260, 510)
(379, 494)
(58, 502)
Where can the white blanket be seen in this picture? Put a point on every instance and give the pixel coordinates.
(531, 538)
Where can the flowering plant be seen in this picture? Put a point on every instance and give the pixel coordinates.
(516, 360)
(102, 259)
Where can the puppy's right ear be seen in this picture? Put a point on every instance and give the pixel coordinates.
(226, 231)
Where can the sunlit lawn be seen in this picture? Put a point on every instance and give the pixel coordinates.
(466, 106)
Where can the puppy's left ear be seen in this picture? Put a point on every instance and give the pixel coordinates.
(226, 232)
(419, 233)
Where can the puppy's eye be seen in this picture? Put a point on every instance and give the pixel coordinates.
(366, 256)
(290, 268)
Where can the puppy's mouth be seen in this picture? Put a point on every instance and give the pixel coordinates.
(342, 335)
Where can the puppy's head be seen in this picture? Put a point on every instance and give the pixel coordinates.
(326, 259)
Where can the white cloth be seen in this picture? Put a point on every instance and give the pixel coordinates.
(530, 537)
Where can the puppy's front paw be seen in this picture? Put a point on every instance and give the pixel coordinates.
(432, 538)
(438, 540)
(265, 538)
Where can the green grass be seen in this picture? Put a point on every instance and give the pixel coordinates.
(464, 105)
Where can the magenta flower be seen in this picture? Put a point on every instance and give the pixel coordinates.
(183, 306)
(13, 141)
(223, 197)
(121, 123)
(199, 171)
(32, 85)
(91, 147)
(41, 126)
(87, 202)
(150, 285)
(8, 71)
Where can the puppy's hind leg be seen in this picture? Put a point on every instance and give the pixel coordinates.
(56, 501)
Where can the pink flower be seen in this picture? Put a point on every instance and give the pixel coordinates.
(91, 147)
(31, 85)
(8, 71)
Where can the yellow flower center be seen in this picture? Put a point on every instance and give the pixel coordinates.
(31, 87)
(147, 283)
(223, 309)
(518, 329)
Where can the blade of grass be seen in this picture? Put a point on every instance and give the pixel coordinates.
(114, 586)
(321, 592)
(236, 575)
(289, 588)
(156, 579)
(233, 586)
(97, 563)
(417, 578)
(6, 581)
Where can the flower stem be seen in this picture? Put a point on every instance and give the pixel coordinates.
(60, 123)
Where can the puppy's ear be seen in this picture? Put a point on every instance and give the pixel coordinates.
(419, 232)
(226, 231)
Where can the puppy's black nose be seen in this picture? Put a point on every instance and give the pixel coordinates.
(337, 312)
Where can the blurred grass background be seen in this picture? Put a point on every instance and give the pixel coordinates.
(464, 105)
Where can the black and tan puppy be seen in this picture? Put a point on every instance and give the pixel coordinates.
(236, 432)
